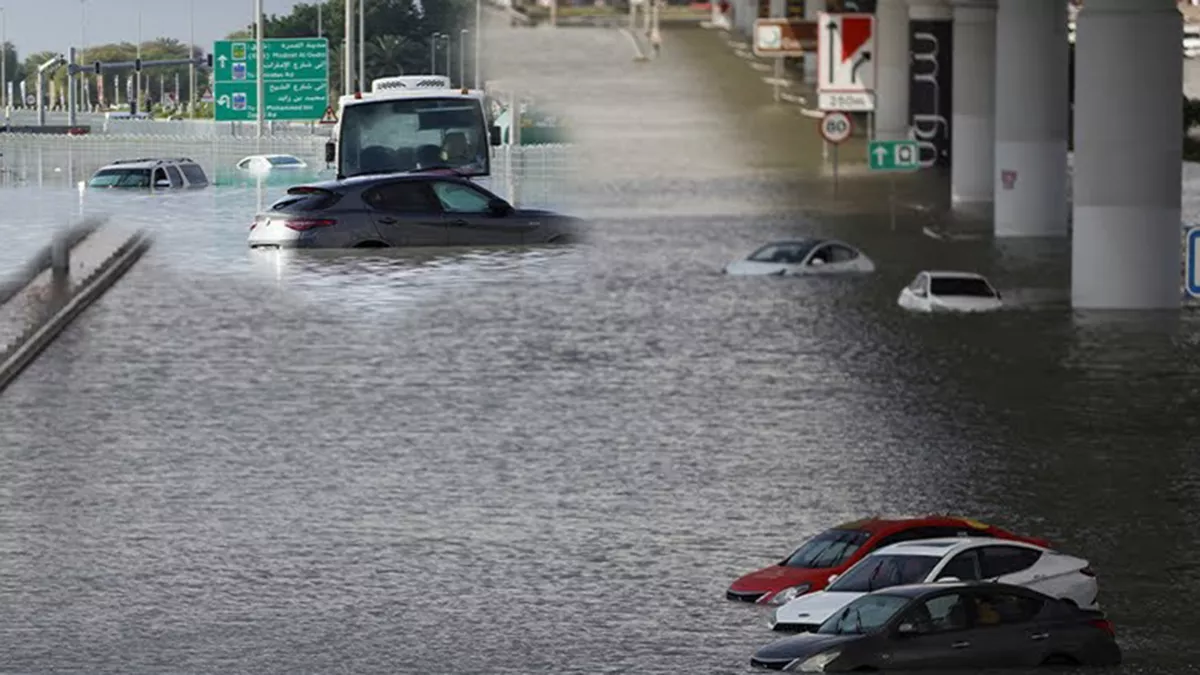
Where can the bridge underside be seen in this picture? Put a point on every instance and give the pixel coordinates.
(985, 88)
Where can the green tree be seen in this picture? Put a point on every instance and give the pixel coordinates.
(15, 69)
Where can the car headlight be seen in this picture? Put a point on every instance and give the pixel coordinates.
(813, 664)
(788, 594)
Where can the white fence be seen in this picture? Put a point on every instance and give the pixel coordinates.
(536, 176)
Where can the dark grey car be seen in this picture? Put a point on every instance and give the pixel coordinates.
(948, 625)
(403, 210)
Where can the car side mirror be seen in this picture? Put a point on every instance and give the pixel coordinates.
(330, 152)
(495, 135)
(948, 580)
(832, 578)
(816, 262)
(499, 208)
(906, 629)
(162, 183)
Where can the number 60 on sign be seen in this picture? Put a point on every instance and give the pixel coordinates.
(836, 127)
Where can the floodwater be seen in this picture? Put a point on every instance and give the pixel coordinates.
(555, 461)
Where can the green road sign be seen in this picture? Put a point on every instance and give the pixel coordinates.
(295, 79)
(893, 156)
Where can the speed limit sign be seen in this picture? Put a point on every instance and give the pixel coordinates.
(836, 126)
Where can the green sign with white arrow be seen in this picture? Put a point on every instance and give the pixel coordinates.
(295, 79)
(893, 156)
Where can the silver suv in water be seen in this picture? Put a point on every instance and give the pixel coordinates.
(179, 173)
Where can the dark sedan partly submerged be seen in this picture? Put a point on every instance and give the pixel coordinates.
(948, 625)
(421, 209)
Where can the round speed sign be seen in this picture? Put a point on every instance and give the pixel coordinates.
(836, 126)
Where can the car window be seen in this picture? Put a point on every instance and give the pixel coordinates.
(284, 161)
(907, 534)
(964, 566)
(996, 561)
(831, 548)
(244, 163)
(917, 284)
(788, 252)
(940, 614)
(961, 286)
(160, 176)
(194, 173)
(459, 198)
(402, 197)
(884, 571)
(175, 177)
(865, 615)
(121, 178)
(995, 608)
(840, 254)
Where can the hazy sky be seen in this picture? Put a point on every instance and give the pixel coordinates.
(38, 25)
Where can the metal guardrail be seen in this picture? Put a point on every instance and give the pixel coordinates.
(18, 354)
(42, 260)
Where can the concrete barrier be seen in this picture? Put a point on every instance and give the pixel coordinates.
(21, 352)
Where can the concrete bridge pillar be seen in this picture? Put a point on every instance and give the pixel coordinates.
(930, 97)
(1032, 113)
(892, 86)
(1128, 155)
(973, 144)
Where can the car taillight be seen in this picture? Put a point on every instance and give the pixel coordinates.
(302, 224)
(1104, 625)
(1088, 571)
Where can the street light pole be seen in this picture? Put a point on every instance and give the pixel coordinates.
(433, 42)
(348, 59)
(81, 81)
(192, 53)
(478, 37)
(362, 45)
(447, 38)
(4, 60)
(462, 57)
(137, 74)
(260, 106)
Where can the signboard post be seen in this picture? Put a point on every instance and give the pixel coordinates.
(892, 157)
(1192, 263)
(295, 79)
(845, 62)
(836, 127)
(778, 38)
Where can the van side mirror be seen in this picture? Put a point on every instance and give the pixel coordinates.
(330, 152)
(495, 135)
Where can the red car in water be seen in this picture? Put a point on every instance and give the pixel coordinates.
(832, 552)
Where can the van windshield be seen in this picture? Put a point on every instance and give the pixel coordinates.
(121, 178)
(409, 134)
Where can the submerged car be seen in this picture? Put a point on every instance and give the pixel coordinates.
(964, 625)
(955, 559)
(269, 163)
(809, 567)
(937, 291)
(802, 257)
(408, 210)
(179, 173)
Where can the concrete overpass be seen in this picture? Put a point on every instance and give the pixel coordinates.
(993, 106)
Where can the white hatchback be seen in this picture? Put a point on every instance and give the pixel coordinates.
(935, 291)
(952, 559)
(269, 163)
(802, 257)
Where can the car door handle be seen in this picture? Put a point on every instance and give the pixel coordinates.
(960, 645)
(387, 220)
(1039, 636)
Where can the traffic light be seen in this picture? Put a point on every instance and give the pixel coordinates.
(137, 65)
(208, 60)
(96, 67)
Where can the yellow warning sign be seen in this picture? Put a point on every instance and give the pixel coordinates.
(330, 116)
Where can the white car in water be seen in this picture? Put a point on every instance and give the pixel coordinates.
(938, 291)
(948, 559)
(269, 163)
(802, 257)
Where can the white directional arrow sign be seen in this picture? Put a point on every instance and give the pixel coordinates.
(221, 60)
(846, 62)
(223, 101)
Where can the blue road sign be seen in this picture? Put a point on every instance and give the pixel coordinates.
(1192, 263)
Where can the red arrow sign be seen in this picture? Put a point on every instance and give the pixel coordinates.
(856, 30)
